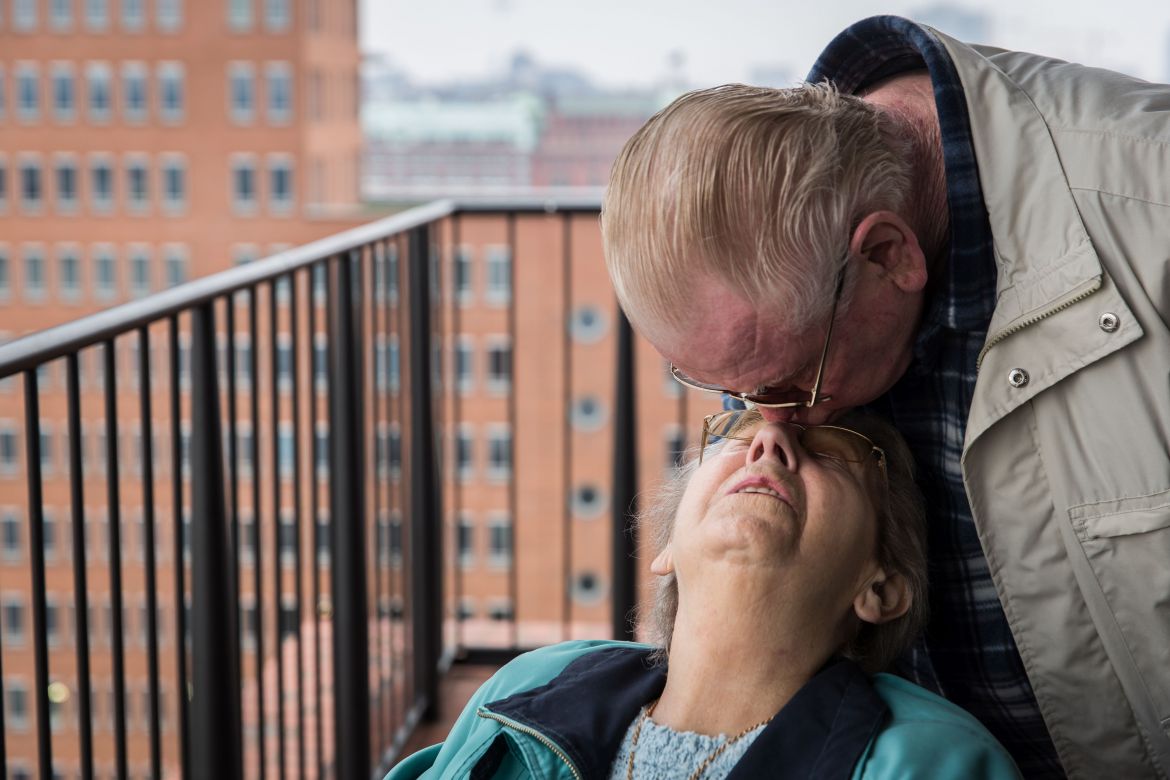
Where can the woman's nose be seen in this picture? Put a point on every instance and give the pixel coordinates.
(775, 440)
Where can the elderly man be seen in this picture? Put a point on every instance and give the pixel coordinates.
(973, 242)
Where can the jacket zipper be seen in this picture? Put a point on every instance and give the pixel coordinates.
(483, 713)
(1003, 334)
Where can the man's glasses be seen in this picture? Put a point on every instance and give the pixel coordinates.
(825, 441)
(780, 399)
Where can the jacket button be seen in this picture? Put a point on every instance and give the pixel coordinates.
(1017, 377)
(1109, 322)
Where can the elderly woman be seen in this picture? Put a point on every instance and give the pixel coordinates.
(792, 572)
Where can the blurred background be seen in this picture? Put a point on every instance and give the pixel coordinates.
(259, 328)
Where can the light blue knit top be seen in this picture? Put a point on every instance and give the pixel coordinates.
(666, 754)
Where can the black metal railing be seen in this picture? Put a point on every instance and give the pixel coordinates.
(312, 403)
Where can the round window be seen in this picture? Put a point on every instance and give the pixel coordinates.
(587, 587)
(588, 501)
(587, 324)
(588, 413)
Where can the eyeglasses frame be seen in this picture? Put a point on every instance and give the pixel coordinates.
(876, 450)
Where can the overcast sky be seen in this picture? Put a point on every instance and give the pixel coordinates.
(629, 42)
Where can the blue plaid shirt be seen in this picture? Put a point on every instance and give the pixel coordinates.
(970, 657)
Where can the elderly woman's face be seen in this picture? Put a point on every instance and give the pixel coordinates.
(771, 504)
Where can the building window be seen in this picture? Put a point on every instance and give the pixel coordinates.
(174, 181)
(101, 173)
(278, 76)
(499, 367)
(52, 622)
(97, 77)
(139, 271)
(68, 274)
(14, 620)
(5, 282)
(133, 15)
(587, 413)
(499, 441)
(9, 456)
(239, 14)
(461, 269)
(105, 274)
(66, 175)
(276, 15)
(175, 264)
(321, 450)
(97, 14)
(464, 453)
(501, 610)
(244, 184)
(17, 713)
(64, 98)
(171, 91)
(3, 93)
(34, 273)
(464, 365)
(587, 588)
(465, 541)
(3, 179)
(498, 287)
(241, 92)
(587, 501)
(137, 183)
(587, 325)
(30, 184)
(280, 183)
(61, 15)
(169, 15)
(24, 15)
(134, 97)
(500, 541)
(287, 536)
(28, 91)
(10, 535)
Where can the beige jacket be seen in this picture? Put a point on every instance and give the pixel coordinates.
(1067, 456)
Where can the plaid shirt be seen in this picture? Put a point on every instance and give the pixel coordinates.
(973, 658)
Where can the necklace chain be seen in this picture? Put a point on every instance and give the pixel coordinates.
(714, 754)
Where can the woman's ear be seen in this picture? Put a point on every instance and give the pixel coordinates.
(884, 598)
(663, 563)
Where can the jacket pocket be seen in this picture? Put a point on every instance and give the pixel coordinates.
(1127, 543)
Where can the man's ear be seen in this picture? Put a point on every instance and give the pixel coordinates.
(663, 563)
(884, 238)
(884, 598)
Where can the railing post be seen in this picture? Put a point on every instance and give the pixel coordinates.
(426, 558)
(216, 723)
(351, 673)
(625, 485)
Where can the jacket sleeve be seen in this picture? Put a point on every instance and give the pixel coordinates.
(927, 750)
(414, 765)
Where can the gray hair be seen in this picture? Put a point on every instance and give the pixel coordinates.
(757, 188)
(901, 549)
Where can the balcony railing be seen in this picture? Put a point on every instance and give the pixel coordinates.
(280, 467)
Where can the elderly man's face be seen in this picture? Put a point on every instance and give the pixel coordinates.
(730, 344)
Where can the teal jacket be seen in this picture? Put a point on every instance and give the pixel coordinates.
(562, 711)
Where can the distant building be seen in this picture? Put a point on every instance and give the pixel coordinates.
(582, 136)
(419, 149)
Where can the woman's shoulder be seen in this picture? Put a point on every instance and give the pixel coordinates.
(928, 736)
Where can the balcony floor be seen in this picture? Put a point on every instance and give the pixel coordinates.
(455, 688)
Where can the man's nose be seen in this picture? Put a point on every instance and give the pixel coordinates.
(777, 441)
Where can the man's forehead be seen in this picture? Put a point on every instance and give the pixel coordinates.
(727, 342)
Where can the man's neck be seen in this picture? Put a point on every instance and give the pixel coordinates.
(733, 667)
(908, 100)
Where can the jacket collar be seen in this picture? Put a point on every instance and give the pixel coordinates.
(822, 732)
